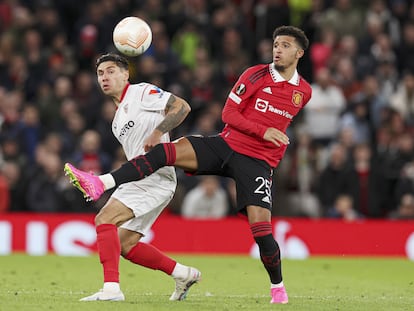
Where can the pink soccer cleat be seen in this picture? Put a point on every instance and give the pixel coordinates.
(90, 185)
(279, 295)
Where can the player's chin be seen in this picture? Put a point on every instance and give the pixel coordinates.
(279, 66)
(106, 90)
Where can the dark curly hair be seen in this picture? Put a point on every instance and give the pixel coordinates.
(295, 32)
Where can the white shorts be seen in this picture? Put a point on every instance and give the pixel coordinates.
(146, 198)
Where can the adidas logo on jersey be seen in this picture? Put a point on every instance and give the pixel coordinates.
(267, 90)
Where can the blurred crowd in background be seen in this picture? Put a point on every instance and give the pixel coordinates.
(352, 148)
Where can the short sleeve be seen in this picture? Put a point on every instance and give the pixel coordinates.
(154, 98)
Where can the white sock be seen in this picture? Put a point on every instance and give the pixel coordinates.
(111, 287)
(180, 271)
(107, 180)
(277, 285)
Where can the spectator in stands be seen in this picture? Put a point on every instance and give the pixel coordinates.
(15, 183)
(44, 192)
(4, 192)
(109, 143)
(390, 23)
(168, 62)
(343, 208)
(368, 196)
(87, 97)
(405, 184)
(322, 113)
(346, 78)
(32, 131)
(36, 59)
(71, 132)
(89, 155)
(302, 172)
(405, 210)
(375, 99)
(387, 74)
(401, 152)
(207, 200)
(357, 120)
(335, 179)
(402, 100)
(405, 49)
(51, 100)
(343, 18)
(322, 49)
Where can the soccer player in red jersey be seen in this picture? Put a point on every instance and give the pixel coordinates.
(258, 110)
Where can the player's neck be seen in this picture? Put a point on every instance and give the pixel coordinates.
(287, 73)
(116, 100)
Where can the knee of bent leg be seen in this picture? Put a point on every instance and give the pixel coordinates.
(114, 213)
(128, 240)
(103, 218)
(258, 214)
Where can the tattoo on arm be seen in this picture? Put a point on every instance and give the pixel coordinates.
(176, 111)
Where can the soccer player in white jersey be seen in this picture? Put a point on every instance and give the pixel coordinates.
(143, 112)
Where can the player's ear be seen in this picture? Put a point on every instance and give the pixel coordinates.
(126, 75)
(299, 53)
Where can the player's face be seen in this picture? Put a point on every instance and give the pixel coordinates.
(286, 52)
(111, 78)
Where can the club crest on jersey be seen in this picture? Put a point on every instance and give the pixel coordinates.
(240, 89)
(297, 98)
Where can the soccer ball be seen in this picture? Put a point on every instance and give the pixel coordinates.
(132, 36)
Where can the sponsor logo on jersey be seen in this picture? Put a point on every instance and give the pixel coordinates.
(263, 106)
(240, 89)
(127, 126)
(297, 98)
(155, 90)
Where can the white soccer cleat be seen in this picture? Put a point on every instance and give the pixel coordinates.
(183, 285)
(105, 296)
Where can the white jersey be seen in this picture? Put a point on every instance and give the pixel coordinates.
(140, 111)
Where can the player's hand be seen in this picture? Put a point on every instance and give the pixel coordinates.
(275, 136)
(152, 140)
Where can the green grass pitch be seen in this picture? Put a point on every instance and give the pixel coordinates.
(229, 283)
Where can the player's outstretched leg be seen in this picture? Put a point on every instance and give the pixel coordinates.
(90, 185)
(182, 285)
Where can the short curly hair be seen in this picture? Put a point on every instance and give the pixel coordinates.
(292, 31)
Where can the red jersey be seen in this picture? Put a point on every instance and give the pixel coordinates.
(260, 99)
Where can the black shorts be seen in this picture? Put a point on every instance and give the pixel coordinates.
(253, 177)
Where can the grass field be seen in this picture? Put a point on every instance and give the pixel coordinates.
(229, 283)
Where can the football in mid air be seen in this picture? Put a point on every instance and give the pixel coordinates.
(132, 36)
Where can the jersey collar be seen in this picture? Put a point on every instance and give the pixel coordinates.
(124, 92)
(278, 78)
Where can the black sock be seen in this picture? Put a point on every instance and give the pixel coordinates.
(270, 256)
(142, 166)
(269, 250)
